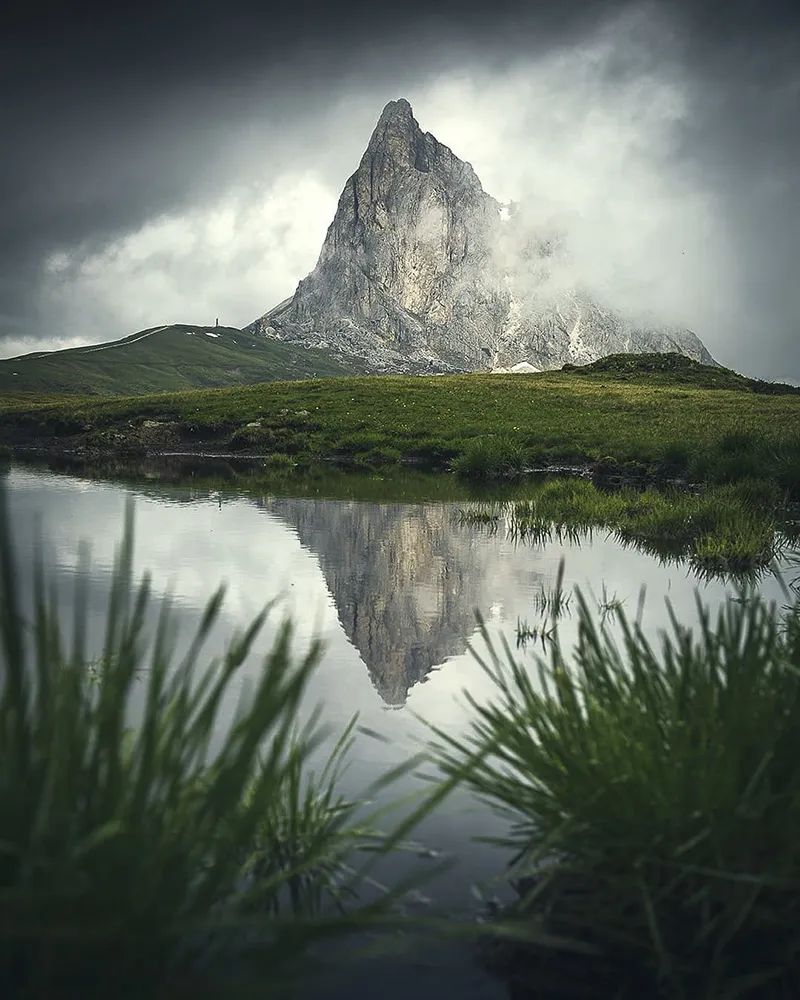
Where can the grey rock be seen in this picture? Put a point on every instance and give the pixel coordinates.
(404, 581)
(421, 271)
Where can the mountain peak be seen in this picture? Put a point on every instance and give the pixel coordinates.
(399, 109)
(398, 145)
(419, 272)
(396, 136)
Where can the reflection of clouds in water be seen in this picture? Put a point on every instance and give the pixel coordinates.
(189, 549)
(395, 586)
(392, 589)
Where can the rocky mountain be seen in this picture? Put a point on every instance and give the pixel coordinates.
(422, 270)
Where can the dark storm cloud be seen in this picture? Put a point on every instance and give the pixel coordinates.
(119, 111)
(743, 139)
(115, 113)
(105, 100)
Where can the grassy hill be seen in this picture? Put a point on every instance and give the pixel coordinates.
(677, 369)
(482, 424)
(162, 359)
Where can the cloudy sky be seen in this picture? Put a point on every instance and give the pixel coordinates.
(181, 161)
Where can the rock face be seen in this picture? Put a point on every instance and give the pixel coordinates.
(421, 270)
(405, 587)
(406, 582)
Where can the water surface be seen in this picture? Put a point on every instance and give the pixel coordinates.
(392, 583)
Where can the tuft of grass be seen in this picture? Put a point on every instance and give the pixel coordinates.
(140, 830)
(724, 529)
(383, 456)
(653, 798)
(752, 454)
(738, 542)
(278, 461)
(306, 837)
(491, 457)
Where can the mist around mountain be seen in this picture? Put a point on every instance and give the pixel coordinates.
(422, 270)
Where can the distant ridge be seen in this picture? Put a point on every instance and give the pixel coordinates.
(164, 358)
(680, 370)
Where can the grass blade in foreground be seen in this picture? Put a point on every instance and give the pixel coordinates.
(654, 800)
(127, 856)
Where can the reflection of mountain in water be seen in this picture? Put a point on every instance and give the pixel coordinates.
(405, 584)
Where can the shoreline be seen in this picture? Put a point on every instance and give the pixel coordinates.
(599, 472)
(659, 430)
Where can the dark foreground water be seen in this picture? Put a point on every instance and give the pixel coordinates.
(391, 584)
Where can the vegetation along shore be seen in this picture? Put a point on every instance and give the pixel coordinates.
(661, 416)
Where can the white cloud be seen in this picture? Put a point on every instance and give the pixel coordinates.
(231, 259)
(595, 154)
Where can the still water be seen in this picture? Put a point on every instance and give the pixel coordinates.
(392, 584)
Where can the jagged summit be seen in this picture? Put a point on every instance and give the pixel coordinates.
(399, 112)
(420, 271)
(397, 136)
(400, 109)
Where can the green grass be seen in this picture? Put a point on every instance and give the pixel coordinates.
(483, 424)
(731, 528)
(653, 800)
(671, 367)
(491, 457)
(175, 357)
(141, 833)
